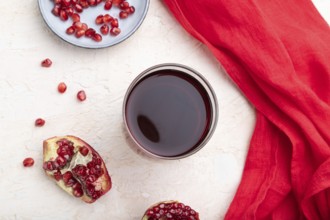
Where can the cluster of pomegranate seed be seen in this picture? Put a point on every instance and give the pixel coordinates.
(171, 210)
(28, 162)
(65, 9)
(83, 176)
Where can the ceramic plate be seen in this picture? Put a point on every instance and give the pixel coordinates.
(128, 26)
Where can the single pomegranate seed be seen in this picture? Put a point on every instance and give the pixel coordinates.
(46, 63)
(61, 161)
(84, 150)
(56, 10)
(75, 17)
(108, 4)
(80, 33)
(77, 25)
(99, 19)
(91, 2)
(90, 32)
(61, 87)
(123, 14)
(57, 175)
(78, 8)
(97, 37)
(124, 5)
(84, 26)
(81, 95)
(78, 192)
(84, 3)
(104, 29)
(39, 122)
(69, 11)
(70, 30)
(67, 176)
(107, 18)
(115, 31)
(63, 15)
(66, 3)
(114, 22)
(28, 162)
(117, 2)
(131, 10)
(48, 166)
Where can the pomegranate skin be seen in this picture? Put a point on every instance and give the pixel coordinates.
(72, 177)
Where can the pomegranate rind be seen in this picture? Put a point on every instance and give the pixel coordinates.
(146, 217)
(50, 153)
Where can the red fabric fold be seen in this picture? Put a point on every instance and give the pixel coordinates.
(278, 54)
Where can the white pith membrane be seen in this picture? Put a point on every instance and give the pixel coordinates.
(102, 184)
(170, 210)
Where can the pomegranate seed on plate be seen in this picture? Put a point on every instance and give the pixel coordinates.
(124, 5)
(123, 14)
(28, 162)
(46, 63)
(97, 37)
(81, 95)
(63, 15)
(78, 8)
(104, 29)
(131, 10)
(108, 5)
(80, 33)
(107, 18)
(114, 22)
(70, 30)
(61, 87)
(90, 32)
(75, 17)
(99, 19)
(115, 31)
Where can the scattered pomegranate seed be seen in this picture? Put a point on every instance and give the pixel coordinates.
(63, 15)
(70, 30)
(131, 10)
(80, 33)
(66, 3)
(81, 95)
(90, 32)
(104, 29)
(99, 19)
(114, 22)
(115, 31)
(107, 18)
(77, 25)
(124, 5)
(28, 162)
(39, 122)
(97, 37)
(56, 10)
(61, 87)
(108, 4)
(78, 8)
(117, 2)
(123, 14)
(75, 17)
(84, 26)
(69, 11)
(46, 63)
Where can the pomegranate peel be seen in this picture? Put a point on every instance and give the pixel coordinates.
(76, 167)
(168, 210)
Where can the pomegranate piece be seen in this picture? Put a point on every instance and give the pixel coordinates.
(46, 63)
(170, 210)
(81, 95)
(115, 31)
(76, 167)
(39, 122)
(28, 162)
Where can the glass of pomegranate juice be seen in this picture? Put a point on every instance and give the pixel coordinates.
(170, 111)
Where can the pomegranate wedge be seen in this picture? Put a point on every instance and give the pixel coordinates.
(170, 210)
(76, 167)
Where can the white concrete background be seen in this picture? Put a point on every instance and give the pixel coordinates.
(207, 180)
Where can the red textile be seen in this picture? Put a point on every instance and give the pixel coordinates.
(278, 54)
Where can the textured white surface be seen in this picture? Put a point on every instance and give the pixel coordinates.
(207, 180)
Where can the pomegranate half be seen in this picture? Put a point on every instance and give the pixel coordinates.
(170, 210)
(76, 167)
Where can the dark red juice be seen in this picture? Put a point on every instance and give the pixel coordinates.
(168, 112)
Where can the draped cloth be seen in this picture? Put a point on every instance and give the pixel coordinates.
(278, 54)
